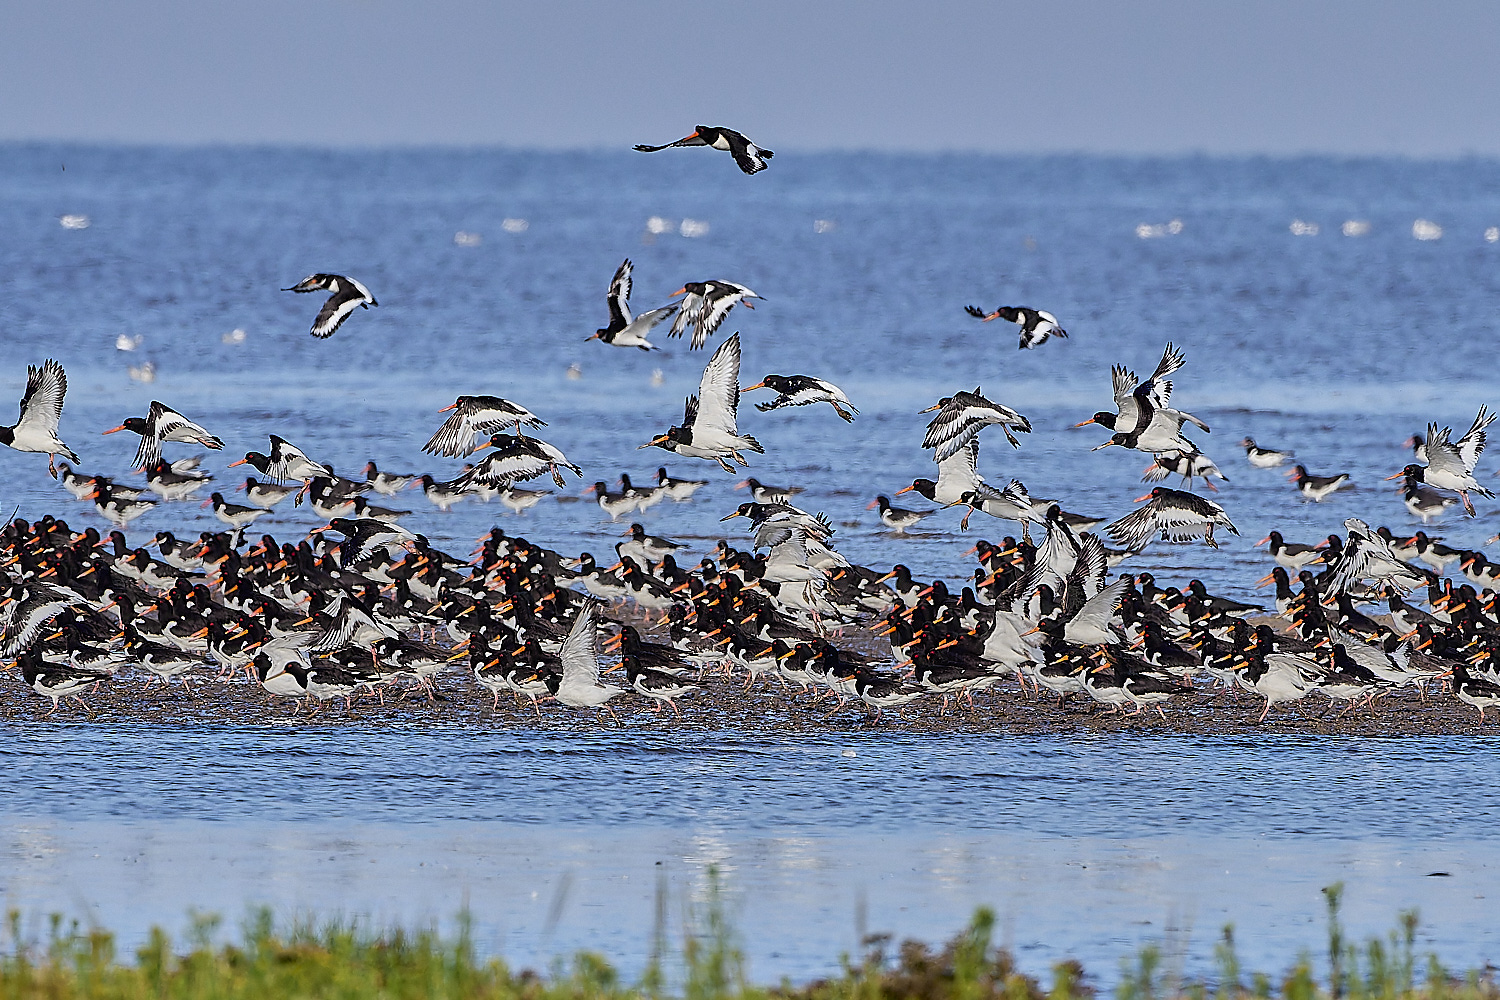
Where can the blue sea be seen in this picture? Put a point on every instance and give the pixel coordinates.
(1333, 307)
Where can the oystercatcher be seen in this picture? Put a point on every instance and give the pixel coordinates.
(1176, 515)
(962, 416)
(1264, 458)
(750, 157)
(898, 519)
(625, 330)
(803, 390)
(1036, 325)
(1450, 465)
(516, 459)
(347, 295)
(709, 428)
(704, 307)
(162, 423)
(678, 489)
(1317, 488)
(41, 409)
(473, 415)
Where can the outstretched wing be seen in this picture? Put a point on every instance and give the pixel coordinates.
(1161, 393)
(619, 296)
(337, 309)
(454, 438)
(719, 390)
(41, 407)
(579, 653)
(716, 308)
(692, 306)
(1471, 445)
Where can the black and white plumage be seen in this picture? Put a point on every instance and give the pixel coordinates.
(1421, 501)
(625, 330)
(1368, 556)
(962, 416)
(516, 459)
(678, 489)
(162, 423)
(387, 483)
(167, 482)
(747, 155)
(1317, 488)
(1137, 402)
(898, 519)
(363, 536)
(580, 686)
(766, 493)
(1173, 515)
(265, 495)
(803, 390)
(286, 463)
(41, 410)
(1187, 464)
(1036, 324)
(115, 506)
(704, 307)
(233, 514)
(348, 295)
(58, 680)
(658, 685)
(709, 428)
(1265, 458)
(486, 415)
(1450, 464)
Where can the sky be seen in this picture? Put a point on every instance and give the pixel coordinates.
(1417, 79)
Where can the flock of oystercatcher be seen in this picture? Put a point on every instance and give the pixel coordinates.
(319, 619)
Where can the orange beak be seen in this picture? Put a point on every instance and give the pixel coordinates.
(114, 430)
(240, 462)
(1085, 423)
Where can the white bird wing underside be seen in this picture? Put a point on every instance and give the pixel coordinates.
(1099, 609)
(579, 653)
(1140, 526)
(719, 391)
(959, 472)
(41, 407)
(337, 309)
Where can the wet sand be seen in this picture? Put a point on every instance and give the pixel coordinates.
(724, 705)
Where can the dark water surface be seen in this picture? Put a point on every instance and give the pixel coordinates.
(1336, 346)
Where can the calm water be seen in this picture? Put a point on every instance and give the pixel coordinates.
(1336, 346)
(1084, 846)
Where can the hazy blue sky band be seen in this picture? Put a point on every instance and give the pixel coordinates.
(1152, 77)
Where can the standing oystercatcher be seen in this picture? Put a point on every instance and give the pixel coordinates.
(347, 295)
(750, 157)
(1316, 488)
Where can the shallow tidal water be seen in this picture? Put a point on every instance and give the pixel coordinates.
(1085, 847)
(1336, 346)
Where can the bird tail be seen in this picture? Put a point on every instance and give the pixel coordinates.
(752, 445)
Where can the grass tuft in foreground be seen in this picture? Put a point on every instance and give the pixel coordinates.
(346, 959)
